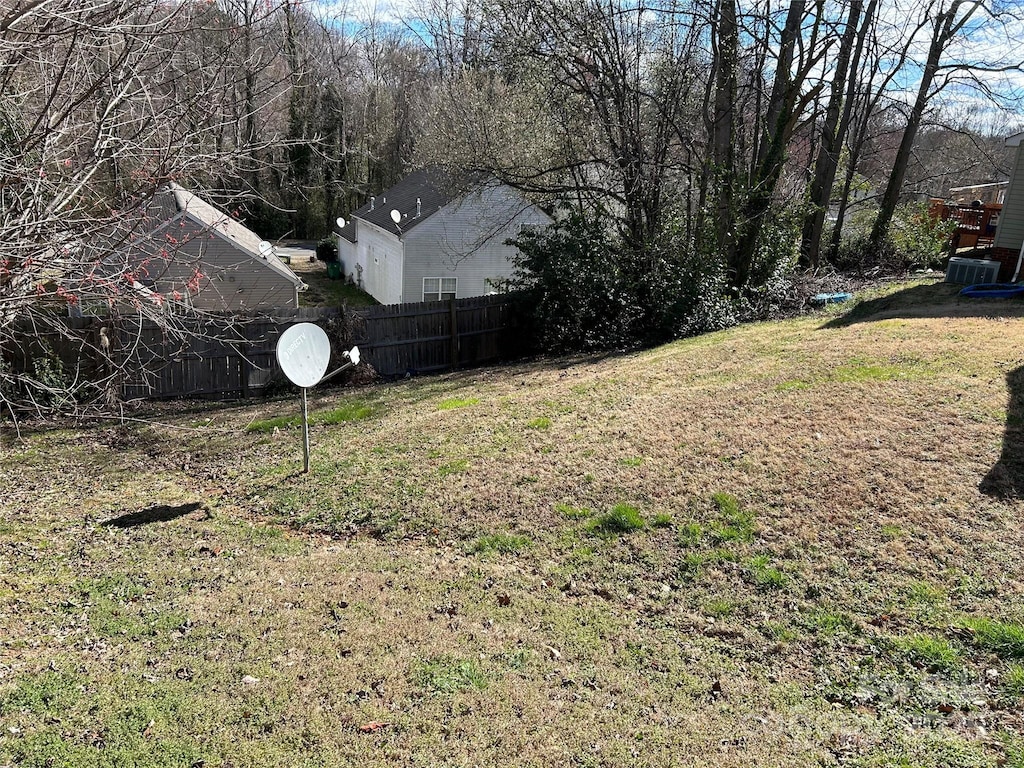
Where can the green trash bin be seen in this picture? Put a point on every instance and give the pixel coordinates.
(334, 270)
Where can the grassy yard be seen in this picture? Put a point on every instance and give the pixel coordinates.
(324, 292)
(786, 544)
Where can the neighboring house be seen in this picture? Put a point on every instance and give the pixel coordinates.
(186, 251)
(989, 194)
(449, 241)
(1009, 238)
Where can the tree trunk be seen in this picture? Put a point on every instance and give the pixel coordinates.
(723, 127)
(945, 29)
(833, 134)
(771, 151)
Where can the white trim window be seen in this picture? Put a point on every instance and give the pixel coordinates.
(439, 288)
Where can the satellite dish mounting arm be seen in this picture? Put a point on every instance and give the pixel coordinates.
(353, 361)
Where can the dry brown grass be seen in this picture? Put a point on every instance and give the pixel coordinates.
(797, 632)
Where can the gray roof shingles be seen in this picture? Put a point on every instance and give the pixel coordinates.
(433, 188)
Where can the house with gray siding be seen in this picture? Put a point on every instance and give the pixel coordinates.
(1009, 238)
(185, 251)
(431, 238)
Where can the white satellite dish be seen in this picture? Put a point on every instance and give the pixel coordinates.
(266, 248)
(340, 221)
(303, 352)
(396, 216)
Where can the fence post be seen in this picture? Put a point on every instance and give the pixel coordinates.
(453, 319)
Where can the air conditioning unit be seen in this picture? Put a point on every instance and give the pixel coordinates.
(972, 271)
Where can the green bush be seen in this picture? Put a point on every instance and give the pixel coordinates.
(584, 290)
(575, 285)
(327, 250)
(915, 240)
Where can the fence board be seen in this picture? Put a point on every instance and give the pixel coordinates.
(235, 357)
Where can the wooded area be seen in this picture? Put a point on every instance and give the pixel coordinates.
(717, 142)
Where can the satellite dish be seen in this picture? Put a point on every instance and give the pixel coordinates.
(353, 355)
(396, 216)
(340, 221)
(303, 352)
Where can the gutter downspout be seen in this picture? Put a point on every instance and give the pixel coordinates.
(1020, 258)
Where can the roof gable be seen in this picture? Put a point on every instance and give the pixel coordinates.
(1015, 140)
(222, 225)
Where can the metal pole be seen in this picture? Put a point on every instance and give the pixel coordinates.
(305, 433)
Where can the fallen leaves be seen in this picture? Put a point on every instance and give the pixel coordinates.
(373, 726)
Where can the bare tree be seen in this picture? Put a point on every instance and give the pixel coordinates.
(946, 21)
(591, 97)
(834, 128)
(94, 119)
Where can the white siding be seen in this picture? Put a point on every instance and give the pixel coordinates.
(379, 253)
(232, 279)
(348, 254)
(466, 240)
(1010, 233)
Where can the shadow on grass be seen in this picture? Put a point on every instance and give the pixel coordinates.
(930, 300)
(1006, 478)
(159, 513)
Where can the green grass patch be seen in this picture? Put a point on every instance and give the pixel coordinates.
(765, 575)
(720, 608)
(860, 371)
(504, 543)
(623, 518)
(934, 653)
(632, 461)
(1012, 684)
(735, 523)
(540, 423)
(779, 632)
(339, 415)
(795, 385)
(573, 513)
(690, 534)
(322, 291)
(457, 402)
(45, 693)
(1005, 639)
(923, 593)
(661, 520)
(453, 467)
(826, 622)
(892, 531)
(448, 675)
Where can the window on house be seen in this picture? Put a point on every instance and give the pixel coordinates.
(439, 288)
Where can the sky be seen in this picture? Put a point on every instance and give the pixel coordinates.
(994, 38)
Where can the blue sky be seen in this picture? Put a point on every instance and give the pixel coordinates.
(991, 40)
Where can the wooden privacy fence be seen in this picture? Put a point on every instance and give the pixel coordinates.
(235, 356)
(437, 335)
(226, 357)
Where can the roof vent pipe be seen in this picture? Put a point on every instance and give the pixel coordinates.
(373, 200)
(417, 207)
